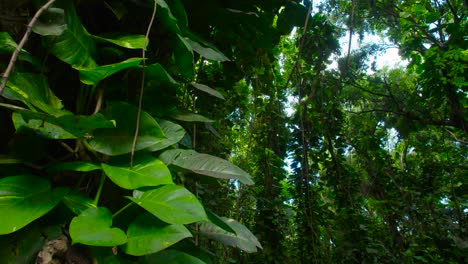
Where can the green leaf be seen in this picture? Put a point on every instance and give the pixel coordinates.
(171, 203)
(190, 117)
(207, 52)
(93, 76)
(51, 22)
(74, 166)
(244, 239)
(126, 41)
(167, 18)
(157, 73)
(25, 198)
(66, 126)
(93, 227)
(208, 90)
(148, 234)
(75, 45)
(147, 171)
(171, 256)
(33, 90)
(77, 202)
(205, 164)
(117, 141)
(173, 132)
(8, 46)
(218, 221)
(183, 55)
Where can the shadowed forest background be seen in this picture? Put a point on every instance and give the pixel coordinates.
(260, 138)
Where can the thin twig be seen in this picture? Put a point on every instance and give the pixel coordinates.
(140, 100)
(351, 29)
(301, 44)
(18, 49)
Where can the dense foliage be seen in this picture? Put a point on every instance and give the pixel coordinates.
(225, 135)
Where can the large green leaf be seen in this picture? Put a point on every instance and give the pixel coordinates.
(243, 239)
(126, 41)
(208, 90)
(25, 198)
(117, 141)
(147, 171)
(157, 73)
(93, 227)
(171, 256)
(171, 203)
(33, 90)
(205, 164)
(173, 132)
(65, 126)
(148, 234)
(93, 76)
(75, 45)
(51, 22)
(77, 202)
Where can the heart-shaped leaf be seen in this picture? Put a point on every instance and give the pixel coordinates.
(93, 76)
(117, 141)
(171, 203)
(243, 239)
(148, 234)
(174, 133)
(205, 164)
(147, 171)
(93, 227)
(75, 45)
(25, 198)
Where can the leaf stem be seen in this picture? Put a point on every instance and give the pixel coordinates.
(122, 209)
(101, 184)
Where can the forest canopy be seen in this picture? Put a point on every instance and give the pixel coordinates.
(243, 131)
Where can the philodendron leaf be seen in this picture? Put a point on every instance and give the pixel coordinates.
(214, 219)
(146, 171)
(117, 141)
(243, 239)
(126, 41)
(205, 164)
(25, 198)
(208, 90)
(93, 76)
(77, 202)
(33, 90)
(93, 227)
(41, 127)
(75, 45)
(171, 203)
(148, 234)
(171, 256)
(51, 22)
(173, 132)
